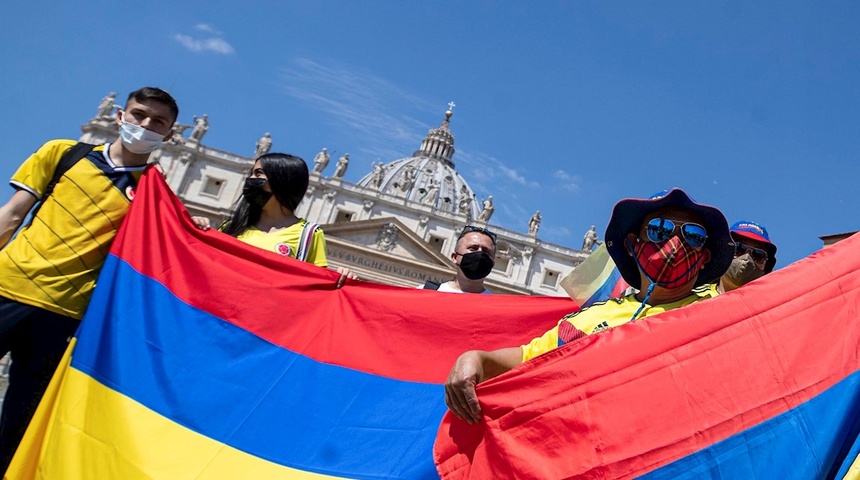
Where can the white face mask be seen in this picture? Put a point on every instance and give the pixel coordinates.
(137, 139)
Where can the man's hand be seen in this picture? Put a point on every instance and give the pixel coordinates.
(472, 368)
(344, 274)
(460, 395)
(202, 223)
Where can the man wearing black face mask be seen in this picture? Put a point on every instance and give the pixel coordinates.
(668, 246)
(755, 256)
(474, 255)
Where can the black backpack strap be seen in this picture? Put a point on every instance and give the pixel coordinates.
(67, 161)
(429, 285)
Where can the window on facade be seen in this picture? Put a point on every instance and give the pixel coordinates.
(212, 186)
(501, 265)
(437, 243)
(550, 278)
(343, 216)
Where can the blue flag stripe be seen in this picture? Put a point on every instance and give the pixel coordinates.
(185, 364)
(794, 444)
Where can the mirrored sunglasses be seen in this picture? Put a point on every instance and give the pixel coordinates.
(472, 228)
(757, 255)
(662, 229)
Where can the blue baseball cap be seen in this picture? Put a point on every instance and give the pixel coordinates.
(755, 231)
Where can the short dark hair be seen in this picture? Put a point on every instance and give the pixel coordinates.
(482, 230)
(155, 93)
(473, 229)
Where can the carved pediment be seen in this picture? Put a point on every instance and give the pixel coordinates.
(387, 236)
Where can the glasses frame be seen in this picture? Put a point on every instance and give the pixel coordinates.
(677, 225)
(473, 228)
(742, 249)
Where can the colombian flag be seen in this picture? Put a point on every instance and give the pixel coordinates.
(595, 279)
(762, 382)
(204, 358)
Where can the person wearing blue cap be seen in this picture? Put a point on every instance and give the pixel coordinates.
(755, 256)
(668, 247)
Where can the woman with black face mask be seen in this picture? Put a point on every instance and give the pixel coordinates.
(264, 216)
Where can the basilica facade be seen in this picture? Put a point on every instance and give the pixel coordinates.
(397, 225)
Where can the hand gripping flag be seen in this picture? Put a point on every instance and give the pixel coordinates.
(761, 382)
(201, 357)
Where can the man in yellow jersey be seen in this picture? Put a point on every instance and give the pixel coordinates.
(48, 271)
(668, 246)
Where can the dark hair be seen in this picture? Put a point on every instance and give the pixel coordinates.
(287, 176)
(155, 93)
(472, 228)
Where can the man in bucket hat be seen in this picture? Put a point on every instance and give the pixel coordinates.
(669, 247)
(755, 256)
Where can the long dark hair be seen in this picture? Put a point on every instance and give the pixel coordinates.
(155, 93)
(287, 176)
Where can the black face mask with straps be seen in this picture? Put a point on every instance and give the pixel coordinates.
(254, 193)
(476, 265)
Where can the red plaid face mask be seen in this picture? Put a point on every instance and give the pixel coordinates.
(670, 264)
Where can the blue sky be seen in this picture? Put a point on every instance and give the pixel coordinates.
(562, 107)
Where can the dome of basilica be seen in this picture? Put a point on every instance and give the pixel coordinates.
(428, 176)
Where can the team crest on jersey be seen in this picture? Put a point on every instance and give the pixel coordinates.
(129, 193)
(283, 249)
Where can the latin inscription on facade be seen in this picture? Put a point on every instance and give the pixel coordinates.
(382, 266)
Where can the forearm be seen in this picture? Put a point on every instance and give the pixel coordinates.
(8, 224)
(13, 213)
(497, 362)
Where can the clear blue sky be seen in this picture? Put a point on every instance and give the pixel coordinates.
(562, 107)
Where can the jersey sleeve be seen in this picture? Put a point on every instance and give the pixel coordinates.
(317, 250)
(542, 344)
(572, 327)
(36, 172)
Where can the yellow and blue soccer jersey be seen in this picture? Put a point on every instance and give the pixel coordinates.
(53, 262)
(605, 315)
(285, 241)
